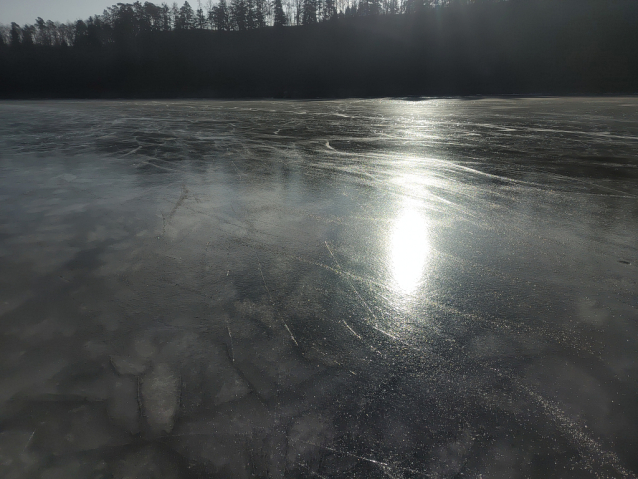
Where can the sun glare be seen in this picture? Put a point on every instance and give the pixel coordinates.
(410, 249)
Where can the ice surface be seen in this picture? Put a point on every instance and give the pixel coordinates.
(123, 405)
(159, 392)
(375, 289)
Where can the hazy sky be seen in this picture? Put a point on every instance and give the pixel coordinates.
(26, 11)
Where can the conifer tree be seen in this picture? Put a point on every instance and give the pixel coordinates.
(177, 25)
(309, 15)
(391, 7)
(260, 13)
(209, 15)
(279, 15)
(330, 10)
(16, 34)
(251, 22)
(43, 34)
(166, 17)
(200, 19)
(186, 16)
(220, 16)
(238, 14)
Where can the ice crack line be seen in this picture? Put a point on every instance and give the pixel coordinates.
(272, 301)
(166, 220)
(364, 303)
(350, 282)
(230, 336)
(383, 465)
(584, 442)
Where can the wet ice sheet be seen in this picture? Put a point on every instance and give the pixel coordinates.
(319, 289)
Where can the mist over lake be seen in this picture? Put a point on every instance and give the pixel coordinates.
(350, 288)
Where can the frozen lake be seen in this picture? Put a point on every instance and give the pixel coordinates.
(338, 289)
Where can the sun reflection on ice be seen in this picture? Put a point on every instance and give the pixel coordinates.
(410, 249)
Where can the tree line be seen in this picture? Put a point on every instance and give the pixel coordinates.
(239, 15)
(337, 48)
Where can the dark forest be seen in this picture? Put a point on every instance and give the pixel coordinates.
(253, 48)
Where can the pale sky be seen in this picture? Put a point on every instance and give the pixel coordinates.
(26, 11)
